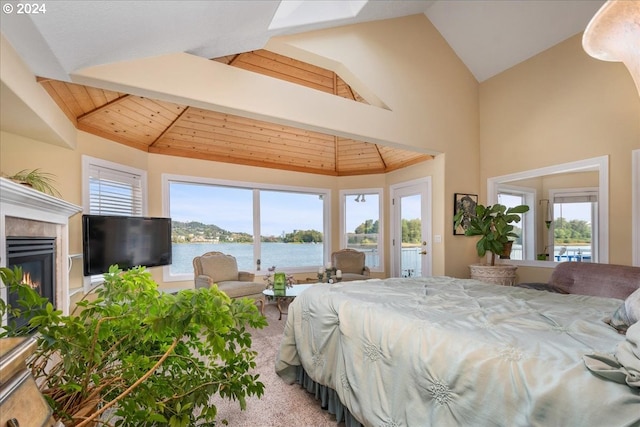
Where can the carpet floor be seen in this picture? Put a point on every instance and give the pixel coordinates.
(282, 405)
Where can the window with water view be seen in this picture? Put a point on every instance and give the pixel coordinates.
(362, 227)
(260, 227)
(573, 227)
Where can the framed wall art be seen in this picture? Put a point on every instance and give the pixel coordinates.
(466, 203)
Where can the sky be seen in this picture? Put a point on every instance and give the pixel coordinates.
(568, 211)
(284, 212)
(571, 211)
(231, 209)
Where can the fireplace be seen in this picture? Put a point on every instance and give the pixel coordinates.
(34, 217)
(37, 258)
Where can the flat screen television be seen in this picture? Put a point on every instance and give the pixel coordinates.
(128, 241)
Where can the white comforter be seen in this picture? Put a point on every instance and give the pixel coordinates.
(451, 352)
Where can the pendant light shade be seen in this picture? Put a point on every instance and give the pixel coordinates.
(613, 34)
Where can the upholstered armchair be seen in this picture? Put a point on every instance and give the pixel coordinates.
(351, 263)
(222, 269)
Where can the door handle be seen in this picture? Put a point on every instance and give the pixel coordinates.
(423, 253)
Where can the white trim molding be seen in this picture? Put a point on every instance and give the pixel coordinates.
(635, 209)
(601, 164)
(19, 201)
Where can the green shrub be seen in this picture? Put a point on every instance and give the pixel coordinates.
(135, 356)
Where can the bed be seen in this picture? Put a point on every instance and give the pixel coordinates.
(443, 351)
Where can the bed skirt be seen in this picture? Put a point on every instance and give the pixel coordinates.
(328, 398)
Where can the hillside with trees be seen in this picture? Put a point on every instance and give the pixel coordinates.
(197, 232)
(574, 231)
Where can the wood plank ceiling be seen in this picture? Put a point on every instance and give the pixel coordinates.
(180, 130)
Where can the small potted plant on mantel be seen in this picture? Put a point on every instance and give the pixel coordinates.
(36, 179)
(494, 224)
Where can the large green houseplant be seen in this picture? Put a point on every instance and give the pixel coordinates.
(135, 356)
(493, 224)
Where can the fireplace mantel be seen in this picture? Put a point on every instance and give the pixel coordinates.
(32, 204)
(24, 203)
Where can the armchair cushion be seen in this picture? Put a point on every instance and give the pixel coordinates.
(219, 267)
(245, 276)
(347, 277)
(238, 289)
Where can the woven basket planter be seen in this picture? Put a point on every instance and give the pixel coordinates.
(497, 274)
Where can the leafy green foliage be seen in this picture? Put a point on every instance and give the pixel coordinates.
(303, 236)
(411, 230)
(493, 224)
(571, 231)
(151, 358)
(369, 226)
(38, 180)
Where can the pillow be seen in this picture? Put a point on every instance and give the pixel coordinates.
(627, 314)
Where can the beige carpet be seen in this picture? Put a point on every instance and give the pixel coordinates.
(282, 404)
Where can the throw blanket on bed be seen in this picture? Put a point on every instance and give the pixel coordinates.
(624, 365)
(451, 352)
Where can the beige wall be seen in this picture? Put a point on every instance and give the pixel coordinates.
(431, 100)
(557, 107)
(18, 153)
(407, 64)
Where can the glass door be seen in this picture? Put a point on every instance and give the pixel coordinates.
(411, 229)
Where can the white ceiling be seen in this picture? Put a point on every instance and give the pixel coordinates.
(488, 35)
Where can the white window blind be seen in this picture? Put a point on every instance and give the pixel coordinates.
(114, 192)
(575, 198)
(111, 189)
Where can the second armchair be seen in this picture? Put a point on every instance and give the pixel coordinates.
(351, 263)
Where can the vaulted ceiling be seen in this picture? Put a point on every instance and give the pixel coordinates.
(179, 130)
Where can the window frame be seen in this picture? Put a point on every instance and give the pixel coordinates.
(186, 179)
(635, 208)
(343, 194)
(595, 232)
(88, 282)
(596, 163)
(527, 224)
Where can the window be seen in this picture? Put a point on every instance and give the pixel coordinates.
(260, 225)
(574, 225)
(293, 13)
(112, 189)
(511, 196)
(361, 227)
(592, 173)
(298, 241)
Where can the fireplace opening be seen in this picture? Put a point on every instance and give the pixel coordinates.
(36, 257)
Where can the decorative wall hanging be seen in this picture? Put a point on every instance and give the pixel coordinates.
(466, 203)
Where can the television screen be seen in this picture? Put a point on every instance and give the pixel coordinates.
(124, 240)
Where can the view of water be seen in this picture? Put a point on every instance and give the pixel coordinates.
(278, 254)
(561, 253)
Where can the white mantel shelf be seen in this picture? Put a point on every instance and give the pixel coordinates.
(21, 196)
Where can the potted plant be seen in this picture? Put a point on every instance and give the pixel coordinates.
(493, 224)
(36, 179)
(135, 356)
